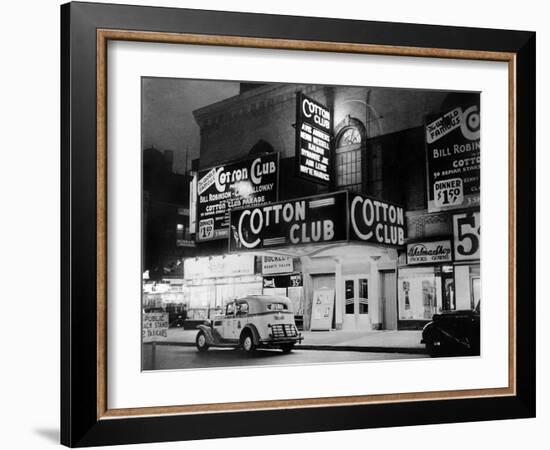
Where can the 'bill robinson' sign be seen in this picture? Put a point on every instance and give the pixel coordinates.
(327, 218)
(453, 157)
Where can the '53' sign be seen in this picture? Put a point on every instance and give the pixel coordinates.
(466, 236)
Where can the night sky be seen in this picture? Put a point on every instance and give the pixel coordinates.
(167, 113)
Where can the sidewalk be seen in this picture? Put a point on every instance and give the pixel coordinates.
(367, 341)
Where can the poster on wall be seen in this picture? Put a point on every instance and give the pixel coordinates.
(453, 158)
(313, 140)
(249, 182)
(321, 309)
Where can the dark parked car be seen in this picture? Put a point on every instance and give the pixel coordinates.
(453, 333)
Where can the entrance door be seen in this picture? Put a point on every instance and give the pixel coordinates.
(356, 303)
(389, 300)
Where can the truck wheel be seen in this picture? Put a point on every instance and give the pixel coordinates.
(201, 342)
(247, 342)
(287, 348)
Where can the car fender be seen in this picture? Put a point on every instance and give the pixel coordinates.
(254, 330)
(210, 340)
(430, 332)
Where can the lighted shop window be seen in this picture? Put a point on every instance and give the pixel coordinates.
(417, 292)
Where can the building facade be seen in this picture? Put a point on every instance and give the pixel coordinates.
(165, 230)
(378, 156)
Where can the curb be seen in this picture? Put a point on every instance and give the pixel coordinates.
(371, 349)
(332, 348)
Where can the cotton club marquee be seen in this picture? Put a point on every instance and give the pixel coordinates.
(335, 217)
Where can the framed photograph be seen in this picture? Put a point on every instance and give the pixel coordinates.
(277, 224)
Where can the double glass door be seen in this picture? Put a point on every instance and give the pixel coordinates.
(356, 306)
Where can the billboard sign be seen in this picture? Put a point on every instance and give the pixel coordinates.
(313, 140)
(309, 220)
(324, 218)
(453, 158)
(249, 182)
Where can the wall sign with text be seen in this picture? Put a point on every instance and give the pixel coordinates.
(244, 183)
(429, 252)
(466, 236)
(453, 157)
(155, 327)
(283, 281)
(277, 264)
(313, 140)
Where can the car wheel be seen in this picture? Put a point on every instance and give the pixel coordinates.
(287, 348)
(433, 350)
(201, 342)
(247, 342)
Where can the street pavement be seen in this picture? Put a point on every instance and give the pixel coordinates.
(380, 341)
(187, 357)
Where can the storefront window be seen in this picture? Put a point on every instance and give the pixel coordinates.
(448, 284)
(417, 294)
(287, 286)
(224, 293)
(244, 289)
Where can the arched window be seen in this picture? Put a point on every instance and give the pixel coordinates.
(349, 156)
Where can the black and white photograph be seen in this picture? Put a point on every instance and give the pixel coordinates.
(297, 224)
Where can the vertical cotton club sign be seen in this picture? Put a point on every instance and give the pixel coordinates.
(313, 139)
(376, 221)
